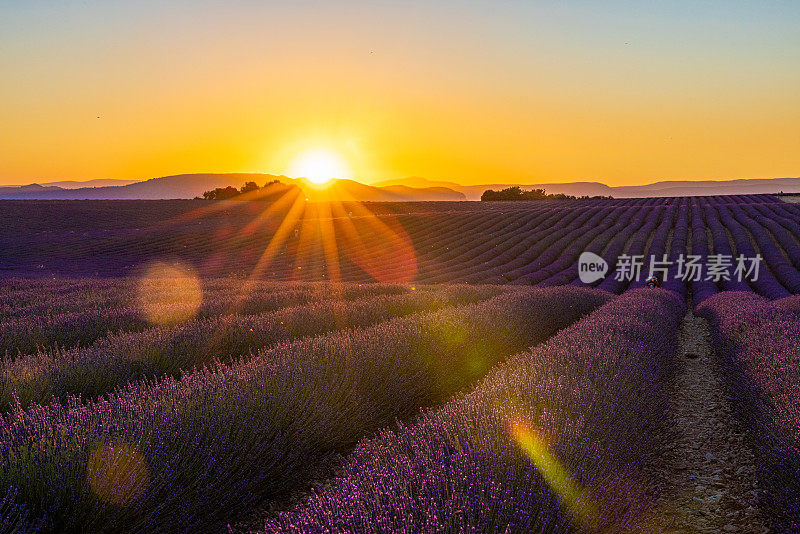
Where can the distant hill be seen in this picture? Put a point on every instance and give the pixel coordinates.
(431, 193)
(194, 185)
(474, 192)
(179, 186)
(710, 187)
(30, 189)
(99, 182)
(663, 188)
(416, 181)
(403, 189)
(343, 189)
(66, 184)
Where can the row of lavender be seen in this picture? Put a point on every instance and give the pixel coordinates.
(541, 246)
(502, 242)
(22, 297)
(47, 319)
(183, 455)
(659, 233)
(776, 239)
(548, 256)
(758, 343)
(734, 231)
(557, 439)
(118, 359)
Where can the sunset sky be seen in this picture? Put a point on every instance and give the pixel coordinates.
(473, 92)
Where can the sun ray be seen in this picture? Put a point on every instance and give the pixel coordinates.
(391, 242)
(329, 245)
(306, 240)
(286, 200)
(278, 239)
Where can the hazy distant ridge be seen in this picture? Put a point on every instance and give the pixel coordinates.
(193, 185)
(657, 189)
(402, 189)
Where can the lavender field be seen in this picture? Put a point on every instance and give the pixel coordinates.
(198, 366)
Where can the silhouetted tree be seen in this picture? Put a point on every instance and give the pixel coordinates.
(249, 187)
(270, 192)
(516, 193)
(221, 193)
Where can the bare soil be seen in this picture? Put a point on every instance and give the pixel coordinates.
(708, 474)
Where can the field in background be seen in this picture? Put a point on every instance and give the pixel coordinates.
(531, 243)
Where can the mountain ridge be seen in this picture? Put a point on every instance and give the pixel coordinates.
(413, 188)
(182, 186)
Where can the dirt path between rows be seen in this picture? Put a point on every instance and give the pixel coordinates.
(708, 472)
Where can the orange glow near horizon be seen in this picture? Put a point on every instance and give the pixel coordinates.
(513, 93)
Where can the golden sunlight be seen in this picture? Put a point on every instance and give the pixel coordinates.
(576, 499)
(319, 166)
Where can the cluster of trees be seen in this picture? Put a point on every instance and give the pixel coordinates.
(515, 193)
(231, 193)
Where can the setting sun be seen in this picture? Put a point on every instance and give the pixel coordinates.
(319, 166)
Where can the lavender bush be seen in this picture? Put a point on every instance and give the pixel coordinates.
(34, 329)
(758, 343)
(553, 440)
(179, 455)
(165, 351)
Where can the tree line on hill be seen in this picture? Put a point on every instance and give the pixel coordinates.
(275, 188)
(516, 193)
(269, 190)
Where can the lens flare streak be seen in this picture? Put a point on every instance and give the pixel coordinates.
(576, 499)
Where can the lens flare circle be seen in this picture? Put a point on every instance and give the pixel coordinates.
(169, 294)
(117, 473)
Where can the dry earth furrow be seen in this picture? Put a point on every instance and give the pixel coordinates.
(708, 474)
